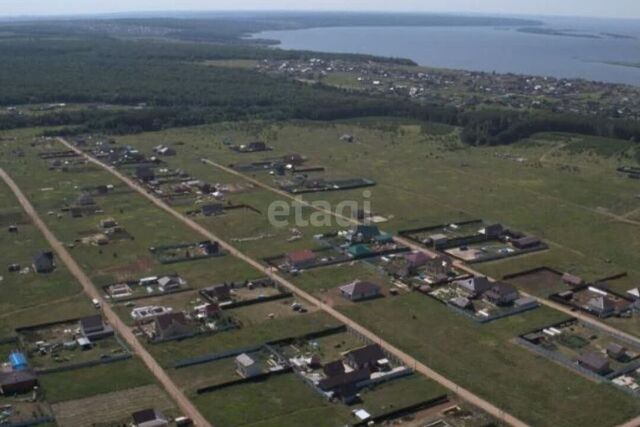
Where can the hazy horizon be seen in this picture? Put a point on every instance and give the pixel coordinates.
(583, 8)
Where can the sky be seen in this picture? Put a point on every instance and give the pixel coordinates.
(596, 8)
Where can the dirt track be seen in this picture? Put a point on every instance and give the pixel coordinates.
(407, 359)
(92, 292)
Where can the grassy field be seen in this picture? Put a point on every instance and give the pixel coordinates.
(280, 401)
(115, 407)
(87, 382)
(557, 187)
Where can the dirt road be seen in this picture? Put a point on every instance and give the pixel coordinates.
(416, 247)
(92, 292)
(404, 357)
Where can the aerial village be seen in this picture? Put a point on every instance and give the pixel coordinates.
(227, 331)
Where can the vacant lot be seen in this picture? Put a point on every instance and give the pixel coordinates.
(115, 407)
(87, 382)
(282, 401)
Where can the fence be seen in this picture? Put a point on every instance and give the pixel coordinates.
(87, 364)
(407, 410)
(33, 422)
(257, 378)
(250, 349)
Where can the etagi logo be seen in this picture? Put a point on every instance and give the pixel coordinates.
(318, 213)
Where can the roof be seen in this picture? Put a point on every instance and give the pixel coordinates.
(594, 360)
(601, 303)
(16, 377)
(164, 321)
(571, 279)
(369, 354)
(341, 380)
(166, 280)
(334, 368)
(301, 256)
(43, 260)
(615, 348)
(503, 288)
(476, 283)
(360, 287)
(527, 241)
(417, 259)
(92, 322)
(359, 250)
(146, 415)
(245, 360)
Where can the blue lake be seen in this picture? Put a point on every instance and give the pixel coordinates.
(588, 52)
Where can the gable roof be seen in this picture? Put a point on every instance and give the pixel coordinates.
(359, 287)
(245, 360)
(334, 368)
(92, 323)
(147, 415)
(366, 355)
(16, 377)
(301, 256)
(165, 321)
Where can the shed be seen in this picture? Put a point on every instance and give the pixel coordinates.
(594, 362)
(17, 382)
(247, 367)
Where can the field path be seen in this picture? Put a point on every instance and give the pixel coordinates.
(416, 247)
(404, 357)
(92, 292)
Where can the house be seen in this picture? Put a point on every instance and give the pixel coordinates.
(616, 352)
(145, 173)
(416, 260)
(502, 293)
(43, 262)
(93, 328)
(170, 326)
(209, 247)
(601, 305)
(300, 259)
(492, 231)
(219, 293)
(85, 199)
(526, 242)
(108, 223)
(359, 291)
(594, 362)
(212, 209)
(438, 240)
(571, 280)
(169, 283)
(365, 357)
(345, 380)
(17, 382)
(149, 418)
(364, 234)
(246, 367)
(334, 368)
(475, 286)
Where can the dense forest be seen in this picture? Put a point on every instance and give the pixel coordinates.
(83, 62)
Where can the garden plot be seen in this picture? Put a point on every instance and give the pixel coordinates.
(145, 287)
(70, 344)
(585, 348)
(113, 408)
(182, 252)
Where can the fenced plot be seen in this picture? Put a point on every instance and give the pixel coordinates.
(110, 408)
